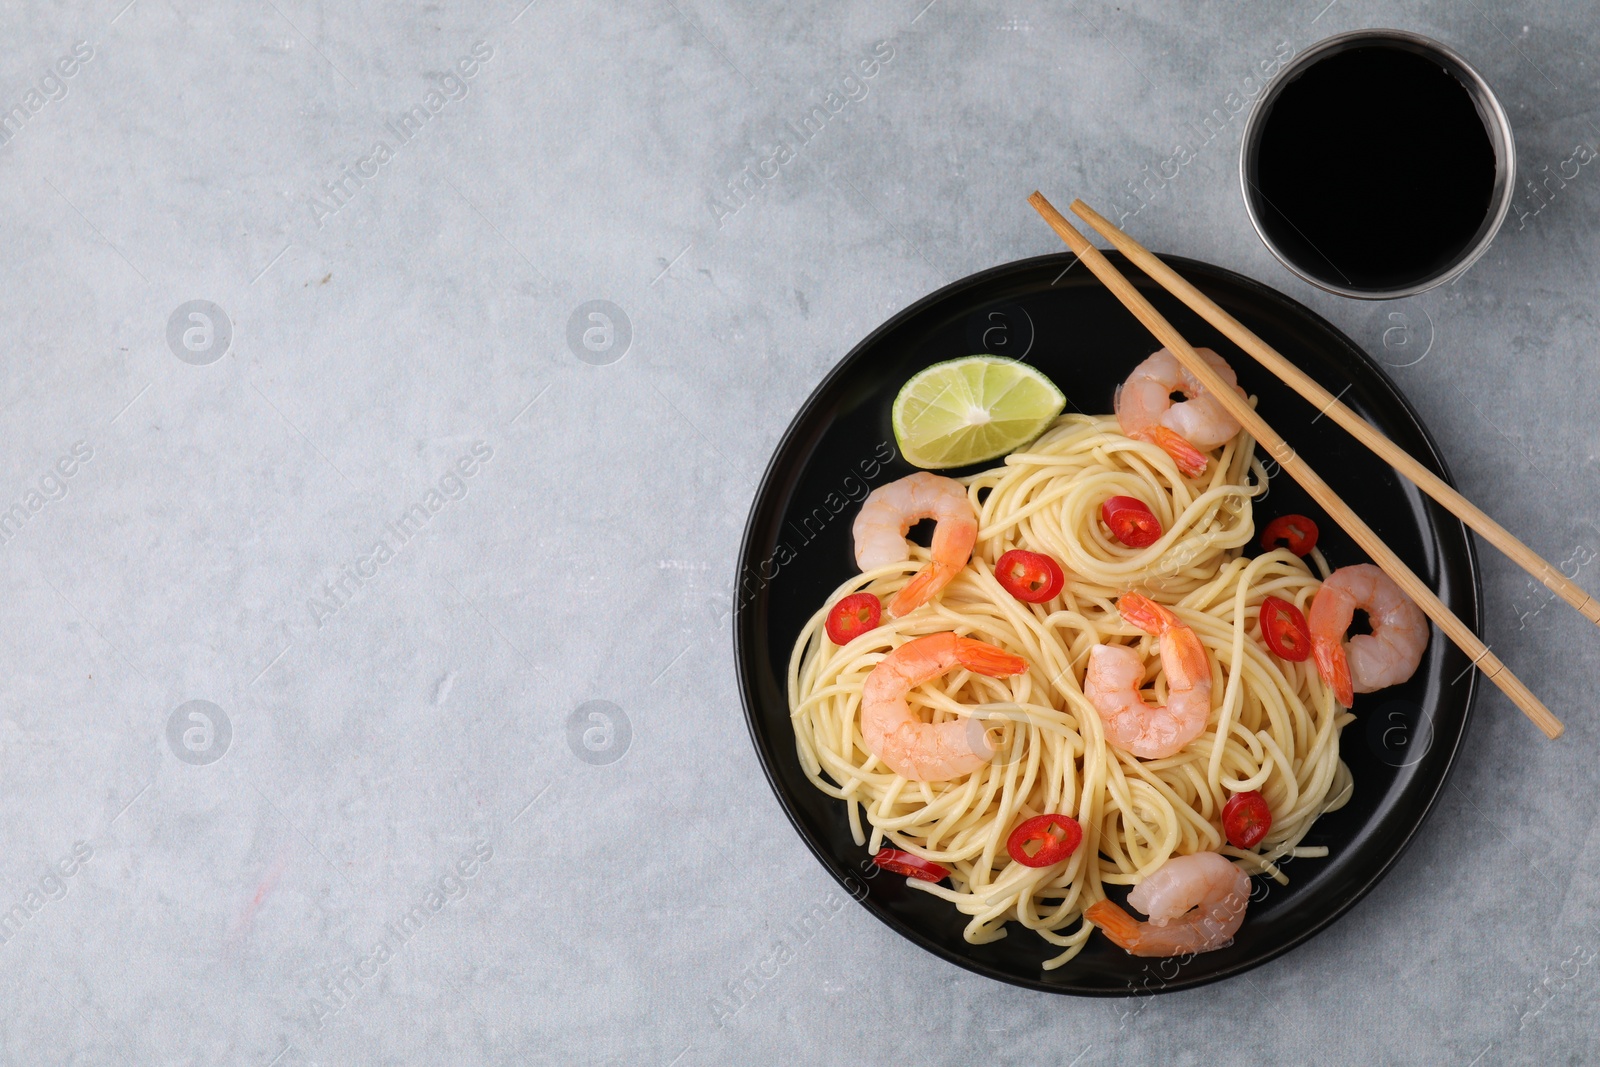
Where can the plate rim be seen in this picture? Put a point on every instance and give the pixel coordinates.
(740, 618)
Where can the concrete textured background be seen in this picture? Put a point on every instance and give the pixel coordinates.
(399, 829)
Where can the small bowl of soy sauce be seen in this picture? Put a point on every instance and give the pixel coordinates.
(1378, 164)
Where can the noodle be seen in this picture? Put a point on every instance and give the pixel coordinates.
(1274, 728)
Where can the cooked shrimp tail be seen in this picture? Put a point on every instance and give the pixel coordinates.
(1334, 666)
(1117, 924)
(988, 660)
(925, 751)
(1146, 614)
(1190, 460)
(921, 588)
(891, 510)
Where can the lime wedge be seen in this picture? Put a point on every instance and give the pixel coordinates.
(971, 409)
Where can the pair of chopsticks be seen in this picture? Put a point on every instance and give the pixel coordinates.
(1298, 469)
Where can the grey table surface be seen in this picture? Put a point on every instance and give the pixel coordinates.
(390, 831)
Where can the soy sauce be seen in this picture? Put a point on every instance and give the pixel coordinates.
(1374, 169)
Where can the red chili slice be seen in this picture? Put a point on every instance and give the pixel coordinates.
(1285, 630)
(853, 616)
(1131, 521)
(1057, 836)
(1246, 819)
(910, 865)
(1298, 534)
(1031, 577)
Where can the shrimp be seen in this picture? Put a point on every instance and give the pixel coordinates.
(1195, 903)
(1185, 430)
(1387, 656)
(926, 751)
(1115, 671)
(890, 510)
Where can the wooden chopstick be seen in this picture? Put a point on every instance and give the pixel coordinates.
(1330, 405)
(1300, 471)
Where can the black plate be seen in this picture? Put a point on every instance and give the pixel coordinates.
(797, 549)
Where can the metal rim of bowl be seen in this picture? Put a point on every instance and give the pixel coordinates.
(1496, 122)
